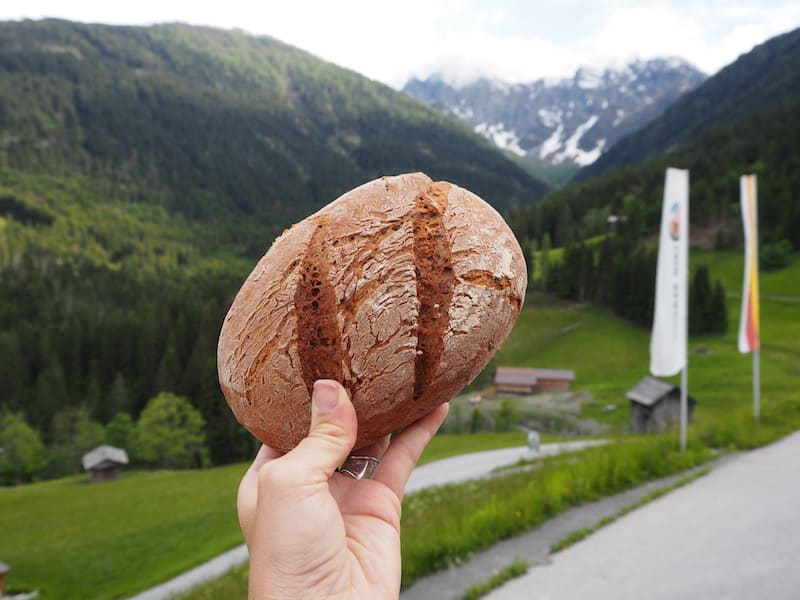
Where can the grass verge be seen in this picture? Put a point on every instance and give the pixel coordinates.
(579, 534)
(516, 569)
(444, 526)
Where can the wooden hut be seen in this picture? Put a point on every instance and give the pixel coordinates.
(523, 380)
(104, 463)
(514, 380)
(554, 380)
(656, 405)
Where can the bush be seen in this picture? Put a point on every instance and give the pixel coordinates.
(774, 256)
(170, 433)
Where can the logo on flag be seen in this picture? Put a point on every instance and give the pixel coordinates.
(675, 222)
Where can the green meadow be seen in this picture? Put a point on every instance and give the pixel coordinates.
(69, 539)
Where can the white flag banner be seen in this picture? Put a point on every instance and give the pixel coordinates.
(668, 342)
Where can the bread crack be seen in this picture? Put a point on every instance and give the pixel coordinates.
(318, 337)
(435, 283)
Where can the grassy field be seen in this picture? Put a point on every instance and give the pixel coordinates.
(73, 540)
(69, 539)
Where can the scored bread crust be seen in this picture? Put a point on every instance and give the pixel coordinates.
(402, 289)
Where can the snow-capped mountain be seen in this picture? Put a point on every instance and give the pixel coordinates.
(572, 120)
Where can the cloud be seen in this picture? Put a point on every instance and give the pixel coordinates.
(515, 40)
(708, 35)
(466, 56)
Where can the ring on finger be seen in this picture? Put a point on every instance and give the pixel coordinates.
(359, 466)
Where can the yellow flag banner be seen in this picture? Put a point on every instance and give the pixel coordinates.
(749, 320)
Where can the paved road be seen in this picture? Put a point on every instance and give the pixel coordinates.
(449, 470)
(476, 465)
(733, 535)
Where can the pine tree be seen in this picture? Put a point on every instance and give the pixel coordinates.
(544, 269)
(699, 301)
(169, 372)
(719, 310)
(118, 399)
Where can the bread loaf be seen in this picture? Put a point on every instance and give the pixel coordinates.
(402, 290)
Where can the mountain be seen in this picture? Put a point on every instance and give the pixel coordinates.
(143, 170)
(220, 122)
(763, 78)
(563, 122)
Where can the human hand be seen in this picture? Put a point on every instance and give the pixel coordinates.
(315, 533)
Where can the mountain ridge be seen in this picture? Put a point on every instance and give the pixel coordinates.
(755, 81)
(570, 120)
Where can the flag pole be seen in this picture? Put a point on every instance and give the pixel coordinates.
(684, 405)
(684, 416)
(756, 384)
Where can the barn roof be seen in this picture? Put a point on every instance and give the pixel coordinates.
(649, 391)
(514, 376)
(103, 456)
(562, 374)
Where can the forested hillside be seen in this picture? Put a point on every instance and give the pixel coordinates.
(765, 143)
(760, 80)
(604, 224)
(142, 173)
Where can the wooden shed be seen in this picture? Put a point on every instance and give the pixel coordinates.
(656, 406)
(514, 380)
(524, 380)
(104, 463)
(554, 380)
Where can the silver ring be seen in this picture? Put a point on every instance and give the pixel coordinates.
(359, 466)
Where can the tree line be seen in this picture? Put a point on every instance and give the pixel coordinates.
(618, 270)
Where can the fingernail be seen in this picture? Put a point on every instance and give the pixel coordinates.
(325, 395)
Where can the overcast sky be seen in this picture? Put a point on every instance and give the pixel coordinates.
(515, 40)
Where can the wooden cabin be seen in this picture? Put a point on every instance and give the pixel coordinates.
(519, 380)
(656, 406)
(104, 463)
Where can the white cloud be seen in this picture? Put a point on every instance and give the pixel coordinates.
(465, 56)
(516, 40)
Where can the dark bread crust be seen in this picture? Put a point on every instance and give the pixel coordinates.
(402, 289)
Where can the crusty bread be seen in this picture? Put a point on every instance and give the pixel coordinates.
(402, 289)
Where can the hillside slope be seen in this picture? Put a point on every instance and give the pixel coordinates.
(208, 122)
(764, 143)
(143, 171)
(756, 81)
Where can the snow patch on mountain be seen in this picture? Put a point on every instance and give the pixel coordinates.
(572, 149)
(551, 144)
(572, 119)
(502, 138)
(549, 118)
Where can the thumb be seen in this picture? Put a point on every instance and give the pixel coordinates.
(332, 433)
